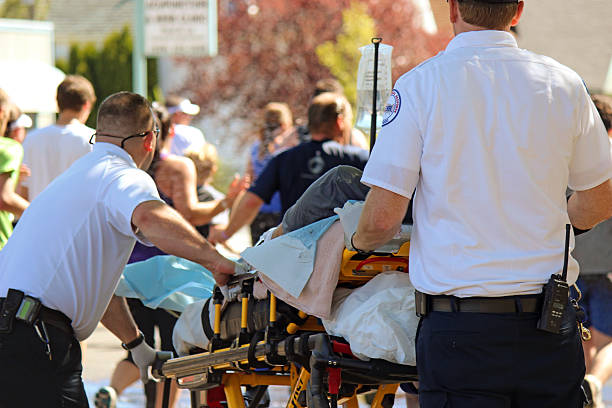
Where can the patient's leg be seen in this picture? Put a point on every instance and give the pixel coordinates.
(331, 190)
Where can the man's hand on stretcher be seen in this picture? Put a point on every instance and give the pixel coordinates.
(224, 271)
(170, 232)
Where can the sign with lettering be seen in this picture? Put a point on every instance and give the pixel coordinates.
(180, 28)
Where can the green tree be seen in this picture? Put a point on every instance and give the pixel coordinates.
(342, 56)
(109, 68)
(32, 10)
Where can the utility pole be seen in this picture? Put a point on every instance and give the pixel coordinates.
(139, 60)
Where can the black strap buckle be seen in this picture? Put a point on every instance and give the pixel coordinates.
(421, 301)
(9, 308)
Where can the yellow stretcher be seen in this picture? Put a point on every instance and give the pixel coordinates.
(319, 369)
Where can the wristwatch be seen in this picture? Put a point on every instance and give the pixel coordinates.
(134, 343)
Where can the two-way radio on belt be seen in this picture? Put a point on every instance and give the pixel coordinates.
(556, 299)
(556, 295)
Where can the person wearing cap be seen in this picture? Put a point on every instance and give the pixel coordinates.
(16, 130)
(17, 125)
(49, 151)
(186, 137)
(11, 154)
(60, 268)
(490, 136)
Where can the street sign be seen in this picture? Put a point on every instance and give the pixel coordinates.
(180, 28)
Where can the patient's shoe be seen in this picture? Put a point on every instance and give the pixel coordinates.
(592, 388)
(106, 397)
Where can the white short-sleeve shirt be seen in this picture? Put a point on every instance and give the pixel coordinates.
(49, 151)
(72, 243)
(490, 135)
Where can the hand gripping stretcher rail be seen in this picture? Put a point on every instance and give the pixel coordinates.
(276, 344)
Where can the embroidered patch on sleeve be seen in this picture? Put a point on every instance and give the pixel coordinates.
(393, 107)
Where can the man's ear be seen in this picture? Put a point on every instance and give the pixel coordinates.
(149, 142)
(87, 106)
(453, 8)
(340, 122)
(519, 13)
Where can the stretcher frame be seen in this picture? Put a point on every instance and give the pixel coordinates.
(319, 369)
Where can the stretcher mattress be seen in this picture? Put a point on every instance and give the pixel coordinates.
(377, 319)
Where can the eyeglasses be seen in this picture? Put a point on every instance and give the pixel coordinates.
(155, 131)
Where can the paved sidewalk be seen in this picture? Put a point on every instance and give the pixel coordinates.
(101, 356)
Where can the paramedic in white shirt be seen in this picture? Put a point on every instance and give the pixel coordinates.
(490, 136)
(49, 151)
(69, 251)
(186, 137)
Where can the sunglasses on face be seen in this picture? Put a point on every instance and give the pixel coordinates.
(155, 131)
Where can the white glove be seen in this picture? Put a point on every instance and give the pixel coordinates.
(266, 236)
(349, 218)
(144, 356)
(241, 267)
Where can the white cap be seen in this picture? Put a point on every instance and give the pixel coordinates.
(23, 121)
(186, 107)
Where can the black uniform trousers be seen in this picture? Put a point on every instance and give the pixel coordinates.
(28, 378)
(482, 360)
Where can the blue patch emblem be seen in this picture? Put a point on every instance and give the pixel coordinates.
(393, 107)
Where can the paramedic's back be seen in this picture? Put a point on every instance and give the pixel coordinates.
(497, 134)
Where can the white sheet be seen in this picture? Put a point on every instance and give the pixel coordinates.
(378, 319)
(293, 252)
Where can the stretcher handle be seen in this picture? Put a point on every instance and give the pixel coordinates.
(244, 313)
(246, 290)
(272, 309)
(217, 300)
(380, 259)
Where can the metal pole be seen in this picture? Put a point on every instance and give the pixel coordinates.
(213, 42)
(139, 61)
(376, 41)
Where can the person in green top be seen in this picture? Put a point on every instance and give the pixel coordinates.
(11, 154)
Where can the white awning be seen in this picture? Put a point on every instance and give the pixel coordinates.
(32, 85)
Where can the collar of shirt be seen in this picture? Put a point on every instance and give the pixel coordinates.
(114, 150)
(483, 38)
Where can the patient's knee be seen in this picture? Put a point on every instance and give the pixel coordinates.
(345, 184)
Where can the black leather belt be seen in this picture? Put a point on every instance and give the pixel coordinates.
(508, 304)
(53, 317)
